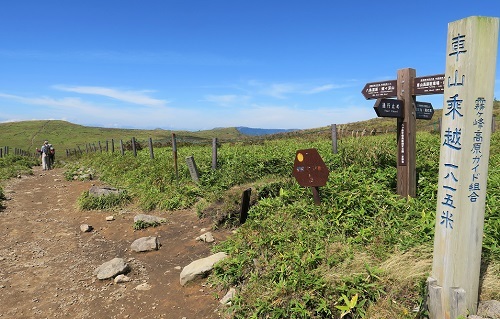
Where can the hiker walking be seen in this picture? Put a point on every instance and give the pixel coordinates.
(45, 156)
(52, 156)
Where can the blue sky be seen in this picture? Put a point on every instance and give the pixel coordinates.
(200, 64)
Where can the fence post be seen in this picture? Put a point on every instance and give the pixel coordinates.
(214, 153)
(112, 145)
(121, 147)
(174, 150)
(151, 154)
(133, 146)
(100, 147)
(334, 138)
(107, 146)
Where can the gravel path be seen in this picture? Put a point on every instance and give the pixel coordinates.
(47, 263)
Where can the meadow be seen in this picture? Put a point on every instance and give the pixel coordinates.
(365, 251)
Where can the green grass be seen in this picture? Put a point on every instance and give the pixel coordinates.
(140, 224)
(87, 201)
(12, 166)
(364, 251)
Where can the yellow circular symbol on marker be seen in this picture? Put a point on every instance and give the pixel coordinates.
(300, 157)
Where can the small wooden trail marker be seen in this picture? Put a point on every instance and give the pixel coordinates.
(310, 171)
(193, 169)
(471, 53)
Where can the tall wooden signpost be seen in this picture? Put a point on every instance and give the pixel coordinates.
(471, 53)
(407, 110)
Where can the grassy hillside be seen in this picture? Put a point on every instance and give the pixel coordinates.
(28, 135)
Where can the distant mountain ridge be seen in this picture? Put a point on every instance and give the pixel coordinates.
(261, 131)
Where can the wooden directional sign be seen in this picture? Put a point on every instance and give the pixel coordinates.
(389, 108)
(431, 84)
(377, 90)
(405, 88)
(424, 110)
(309, 169)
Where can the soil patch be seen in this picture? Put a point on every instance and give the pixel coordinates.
(47, 263)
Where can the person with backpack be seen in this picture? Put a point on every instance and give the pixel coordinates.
(45, 156)
(52, 156)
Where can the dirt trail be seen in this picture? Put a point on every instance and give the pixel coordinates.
(47, 263)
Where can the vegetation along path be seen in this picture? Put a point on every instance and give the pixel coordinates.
(47, 262)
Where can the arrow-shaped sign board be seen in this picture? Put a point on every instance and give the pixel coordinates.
(389, 108)
(431, 84)
(424, 110)
(377, 90)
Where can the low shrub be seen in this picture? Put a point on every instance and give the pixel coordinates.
(86, 201)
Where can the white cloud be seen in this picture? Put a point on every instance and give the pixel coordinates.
(63, 103)
(280, 90)
(323, 88)
(283, 90)
(285, 116)
(134, 97)
(227, 100)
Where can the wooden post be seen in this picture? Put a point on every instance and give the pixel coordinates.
(407, 128)
(107, 146)
(316, 196)
(214, 153)
(133, 146)
(174, 151)
(334, 138)
(193, 169)
(471, 53)
(122, 150)
(100, 147)
(112, 145)
(245, 205)
(151, 154)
